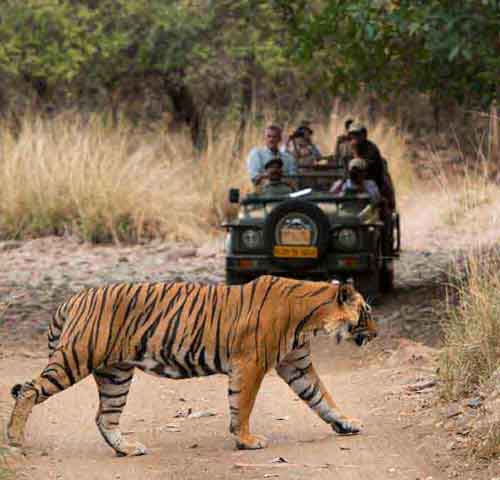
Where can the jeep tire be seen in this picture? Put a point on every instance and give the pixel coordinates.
(315, 214)
(238, 278)
(386, 280)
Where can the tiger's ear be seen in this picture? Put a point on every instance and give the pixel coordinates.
(345, 293)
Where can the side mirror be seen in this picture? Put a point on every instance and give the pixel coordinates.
(234, 195)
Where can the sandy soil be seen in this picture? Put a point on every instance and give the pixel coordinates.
(400, 440)
(63, 442)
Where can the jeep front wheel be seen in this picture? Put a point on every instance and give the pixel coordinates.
(386, 280)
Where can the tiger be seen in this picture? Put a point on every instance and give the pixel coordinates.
(181, 330)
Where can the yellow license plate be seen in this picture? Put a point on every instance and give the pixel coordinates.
(283, 251)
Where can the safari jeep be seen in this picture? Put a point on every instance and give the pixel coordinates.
(312, 234)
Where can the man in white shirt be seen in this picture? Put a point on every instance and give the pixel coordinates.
(259, 156)
(356, 182)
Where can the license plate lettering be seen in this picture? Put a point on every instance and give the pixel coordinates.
(285, 251)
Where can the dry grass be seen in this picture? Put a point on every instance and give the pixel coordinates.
(472, 187)
(70, 175)
(107, 184)
(489, 445)
(470, 358)
(471, 352)
(5, 472)
(466, 192)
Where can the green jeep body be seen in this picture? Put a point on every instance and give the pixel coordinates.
(312, 234)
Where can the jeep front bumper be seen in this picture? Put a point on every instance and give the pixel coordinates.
(329, 264)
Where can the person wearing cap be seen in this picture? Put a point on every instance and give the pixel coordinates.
(376, 167)
(301, 146)
(357, 182)
(274, 184)
(259, 156)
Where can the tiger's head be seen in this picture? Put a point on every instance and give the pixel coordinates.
(347, 317)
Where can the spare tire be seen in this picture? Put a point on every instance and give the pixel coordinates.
(300, 215)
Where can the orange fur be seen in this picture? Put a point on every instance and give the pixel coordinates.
(181, 330)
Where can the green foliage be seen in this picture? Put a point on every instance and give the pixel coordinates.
(445, 48)
(49, 40)
(459, 46)
(222, 51)
(144, 36)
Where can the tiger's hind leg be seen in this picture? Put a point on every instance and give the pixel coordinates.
(298, 372)
(113, 384)
(58, 375)
(245, 379)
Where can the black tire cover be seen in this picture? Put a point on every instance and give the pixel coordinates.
(315, 214)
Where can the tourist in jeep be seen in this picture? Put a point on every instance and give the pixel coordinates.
(357, 183)
(342, 145)
(376, 167)
(259, 156)
(301, 146)
(274, 184)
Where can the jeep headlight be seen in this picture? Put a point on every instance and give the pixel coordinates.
(347, 238)
(228, 243)
(251, 239)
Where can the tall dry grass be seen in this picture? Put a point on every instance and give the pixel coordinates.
(471, 351)
(477, 183)
(470, 356)
(110, 184)
(78, 175)
(467, 191)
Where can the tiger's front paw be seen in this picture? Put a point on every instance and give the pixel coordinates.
(251, 442)
(347, 426)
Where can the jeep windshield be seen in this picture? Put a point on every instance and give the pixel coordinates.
(259, 206)
(319, 178)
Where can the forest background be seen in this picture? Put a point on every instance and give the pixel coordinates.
(107, 107)
(192, 61)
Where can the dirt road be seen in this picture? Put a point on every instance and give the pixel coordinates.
(63, 442)
(371, 383)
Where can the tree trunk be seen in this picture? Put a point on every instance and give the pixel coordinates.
(41, 88)
(436, 113)
(185, 110)
(246, 102)
(3, 99)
